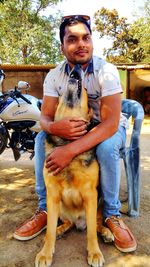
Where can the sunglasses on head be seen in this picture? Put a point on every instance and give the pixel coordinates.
(71, 18)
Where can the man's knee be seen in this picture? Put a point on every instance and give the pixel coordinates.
(105, 146)
(108, 150)
(40, 138)
(40, 142)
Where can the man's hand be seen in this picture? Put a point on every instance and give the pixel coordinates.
(69, 128)
(59, 159)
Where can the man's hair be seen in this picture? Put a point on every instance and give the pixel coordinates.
(72, 20)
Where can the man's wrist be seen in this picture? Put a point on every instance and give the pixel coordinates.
(73, 149)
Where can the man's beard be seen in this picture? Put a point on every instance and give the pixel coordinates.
(81, 61)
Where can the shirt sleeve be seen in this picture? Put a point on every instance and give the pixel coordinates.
(49, 86)
(109, 80)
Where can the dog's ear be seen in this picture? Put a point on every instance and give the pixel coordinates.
(92, 123)
(90, 114)
(89, 118)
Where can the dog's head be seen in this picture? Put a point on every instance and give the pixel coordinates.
(73, 95)
(74, 101)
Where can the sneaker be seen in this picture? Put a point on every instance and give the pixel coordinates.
(32, 227)
(123, 238)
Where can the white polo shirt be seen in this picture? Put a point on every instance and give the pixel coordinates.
(100, 79)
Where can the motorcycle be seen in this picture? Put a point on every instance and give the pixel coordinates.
(19, 119)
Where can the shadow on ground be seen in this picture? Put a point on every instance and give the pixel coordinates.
(19, 202)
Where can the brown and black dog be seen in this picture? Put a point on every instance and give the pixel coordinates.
(72, 194)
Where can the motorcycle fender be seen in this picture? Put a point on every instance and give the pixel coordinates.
(3, 130)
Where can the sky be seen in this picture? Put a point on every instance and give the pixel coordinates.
(125, 8)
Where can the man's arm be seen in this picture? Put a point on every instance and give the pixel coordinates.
(110, 115)
(48, 109)
(68, 128)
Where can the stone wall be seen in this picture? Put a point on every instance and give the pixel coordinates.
(34, 75)
(133, 78)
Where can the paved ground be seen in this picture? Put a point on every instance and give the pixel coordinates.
(18, 202)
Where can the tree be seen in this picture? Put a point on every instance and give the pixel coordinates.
(141, 31)
(128, 43)
(26, 36)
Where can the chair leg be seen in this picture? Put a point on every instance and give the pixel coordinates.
(131, 162)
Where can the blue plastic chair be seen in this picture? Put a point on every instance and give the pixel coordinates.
(131, 155)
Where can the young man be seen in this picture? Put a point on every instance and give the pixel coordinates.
(102, 82)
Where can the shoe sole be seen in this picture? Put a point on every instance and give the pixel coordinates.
(25, 238)
(126, 249)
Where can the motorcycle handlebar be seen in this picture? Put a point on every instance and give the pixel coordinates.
(15, 94)
(24, 98)
(4, 95)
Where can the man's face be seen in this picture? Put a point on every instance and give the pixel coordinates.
(77, 44)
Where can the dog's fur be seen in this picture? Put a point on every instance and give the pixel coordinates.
(72, 193)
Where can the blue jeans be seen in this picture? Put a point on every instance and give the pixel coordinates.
(108, 156)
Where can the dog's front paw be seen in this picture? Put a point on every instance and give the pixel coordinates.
(107, 235)
(42, 260)
(96, 259)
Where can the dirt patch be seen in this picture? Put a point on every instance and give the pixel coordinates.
(19, 202)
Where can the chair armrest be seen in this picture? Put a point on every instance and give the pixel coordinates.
(134, 109)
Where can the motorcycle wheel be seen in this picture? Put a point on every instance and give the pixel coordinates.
(3, 142)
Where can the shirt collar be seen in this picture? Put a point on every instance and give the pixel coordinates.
(89, 69)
